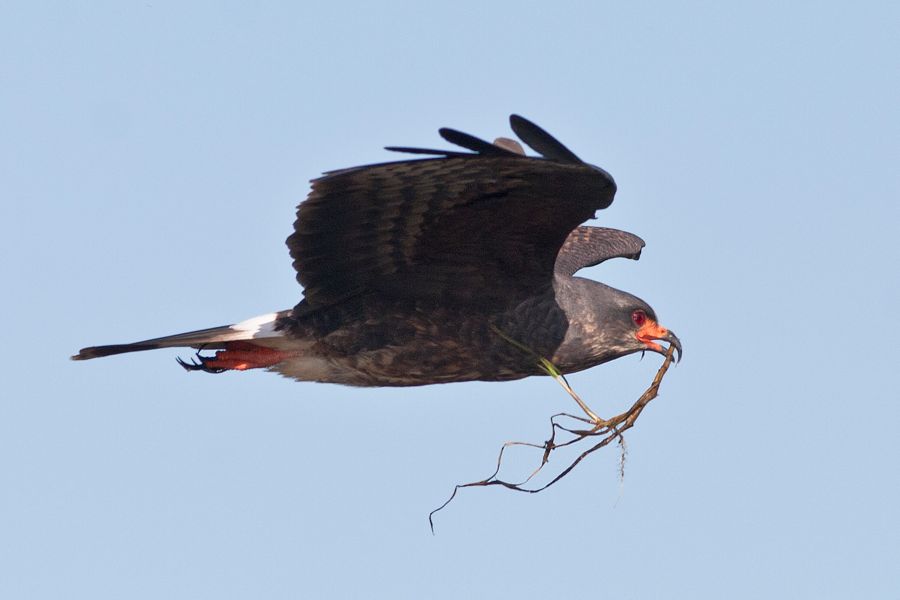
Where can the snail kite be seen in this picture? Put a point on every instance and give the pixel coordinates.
(452, 266)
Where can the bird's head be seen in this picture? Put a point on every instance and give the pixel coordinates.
(629, 325)
(646, 330)
(606, 323)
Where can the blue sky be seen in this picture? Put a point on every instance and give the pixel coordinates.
(151, 158)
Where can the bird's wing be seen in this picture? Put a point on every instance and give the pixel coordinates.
(589, 246)
(464, 228)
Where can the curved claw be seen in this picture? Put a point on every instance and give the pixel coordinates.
(194, 365)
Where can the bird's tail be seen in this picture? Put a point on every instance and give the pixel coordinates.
(258, 335)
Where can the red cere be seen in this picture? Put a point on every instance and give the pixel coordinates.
(639, 317)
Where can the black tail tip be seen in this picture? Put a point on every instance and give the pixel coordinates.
(85, 354)
(100, 351)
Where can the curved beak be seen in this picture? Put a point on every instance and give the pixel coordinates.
(651, 330)
(674, 341)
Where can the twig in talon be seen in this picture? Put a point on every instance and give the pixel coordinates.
(607, 430)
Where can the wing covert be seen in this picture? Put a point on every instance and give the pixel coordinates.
(588, 246)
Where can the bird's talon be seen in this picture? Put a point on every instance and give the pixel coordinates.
(198, 364)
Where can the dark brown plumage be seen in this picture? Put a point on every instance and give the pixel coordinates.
(444, 268)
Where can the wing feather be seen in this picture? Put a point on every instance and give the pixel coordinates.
(477, 229)
(540, 141)
(589, 246)
(472, 143)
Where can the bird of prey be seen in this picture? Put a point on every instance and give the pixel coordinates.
(451, 266)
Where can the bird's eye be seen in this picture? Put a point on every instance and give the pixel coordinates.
(639, 317)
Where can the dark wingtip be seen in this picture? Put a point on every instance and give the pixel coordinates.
(540, 141)
(426, 151)
(519, 121)
(501, 147)
(470, 142)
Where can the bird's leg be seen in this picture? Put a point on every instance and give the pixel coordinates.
(587, 409)
(551, 370)
(629, 416)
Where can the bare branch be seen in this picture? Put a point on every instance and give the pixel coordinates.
(605, 429)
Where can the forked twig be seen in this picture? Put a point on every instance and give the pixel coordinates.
(606, 430)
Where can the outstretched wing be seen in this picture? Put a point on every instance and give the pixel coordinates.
(589, 246)
(479, 228)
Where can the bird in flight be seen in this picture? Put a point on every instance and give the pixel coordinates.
(452, 266)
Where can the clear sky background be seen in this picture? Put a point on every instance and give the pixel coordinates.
(151, 157)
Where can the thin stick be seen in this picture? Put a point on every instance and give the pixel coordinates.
(607, 430)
